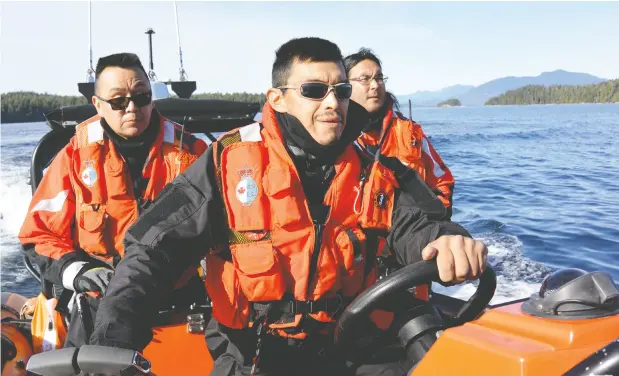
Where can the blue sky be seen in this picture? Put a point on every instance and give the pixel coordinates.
(229, 46)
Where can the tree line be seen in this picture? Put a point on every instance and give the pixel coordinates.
(235, 97)
(28, 106)
(605, 92)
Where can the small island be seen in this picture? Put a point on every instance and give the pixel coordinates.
(450, 103)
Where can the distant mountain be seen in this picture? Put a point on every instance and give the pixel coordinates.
(430, 98)
(477, 96)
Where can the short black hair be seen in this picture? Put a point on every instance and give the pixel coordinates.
(308, 49)
(352, 60)
(121, 60)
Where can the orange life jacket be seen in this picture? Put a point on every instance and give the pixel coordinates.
(91, 186)
(273, 239)
(404, 139)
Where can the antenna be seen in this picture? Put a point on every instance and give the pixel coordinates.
(87, 89)
(181, 70)
(410, 110)
(151, 73)
(90, 71)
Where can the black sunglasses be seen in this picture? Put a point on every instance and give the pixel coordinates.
(319, 90)
(121, 103)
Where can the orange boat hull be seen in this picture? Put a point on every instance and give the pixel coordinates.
(504, 341)
(173, 351)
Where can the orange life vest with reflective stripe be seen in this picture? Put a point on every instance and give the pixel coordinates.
(404, 139)
(273, 238)
(105, 201)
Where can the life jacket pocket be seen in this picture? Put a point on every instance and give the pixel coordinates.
(259, 270)
(92, 220)
(378, 198)
(284, 195)
(351, 249)
(230, 305)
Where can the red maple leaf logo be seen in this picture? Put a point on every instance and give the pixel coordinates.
(241, 190)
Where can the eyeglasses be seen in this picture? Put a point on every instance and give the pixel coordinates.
(121, 103)
(319, 90)
(365, 80)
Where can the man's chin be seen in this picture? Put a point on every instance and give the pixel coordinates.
(374, 105)
(133, 129)
(130, 132)
(327, 139)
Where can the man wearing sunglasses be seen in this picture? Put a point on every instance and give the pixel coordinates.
(390, 134)
(99, 183)
(289, 210)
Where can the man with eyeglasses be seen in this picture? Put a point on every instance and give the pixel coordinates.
(287, 208)
(100, 182)
(390, 134)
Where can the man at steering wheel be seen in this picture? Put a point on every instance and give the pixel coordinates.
(292, 213)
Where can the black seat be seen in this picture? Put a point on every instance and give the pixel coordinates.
(45, 151)
(42, 156)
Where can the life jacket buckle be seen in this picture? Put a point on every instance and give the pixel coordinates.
(302, 306)
(196, 323)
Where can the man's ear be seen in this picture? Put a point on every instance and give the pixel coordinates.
(276, 100)
(97, 103)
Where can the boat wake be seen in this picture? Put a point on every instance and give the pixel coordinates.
(517, 275)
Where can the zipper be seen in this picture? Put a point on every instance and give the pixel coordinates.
(140, 202)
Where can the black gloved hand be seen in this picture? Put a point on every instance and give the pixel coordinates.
(92, 279)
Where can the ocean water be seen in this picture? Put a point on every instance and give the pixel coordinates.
(539, 184)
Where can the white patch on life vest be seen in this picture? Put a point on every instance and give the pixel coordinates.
(53, 205)
(250, 132)
(436, 170)
(247, 189)
(168, 132)
(95, 131)
(89, 174)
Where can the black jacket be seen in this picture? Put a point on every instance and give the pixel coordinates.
(184, 222)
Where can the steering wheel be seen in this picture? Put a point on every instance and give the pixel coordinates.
(425, 318)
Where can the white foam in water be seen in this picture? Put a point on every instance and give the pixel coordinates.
(506, 290)
(517, 276)
(14, 200)
(18, 142)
